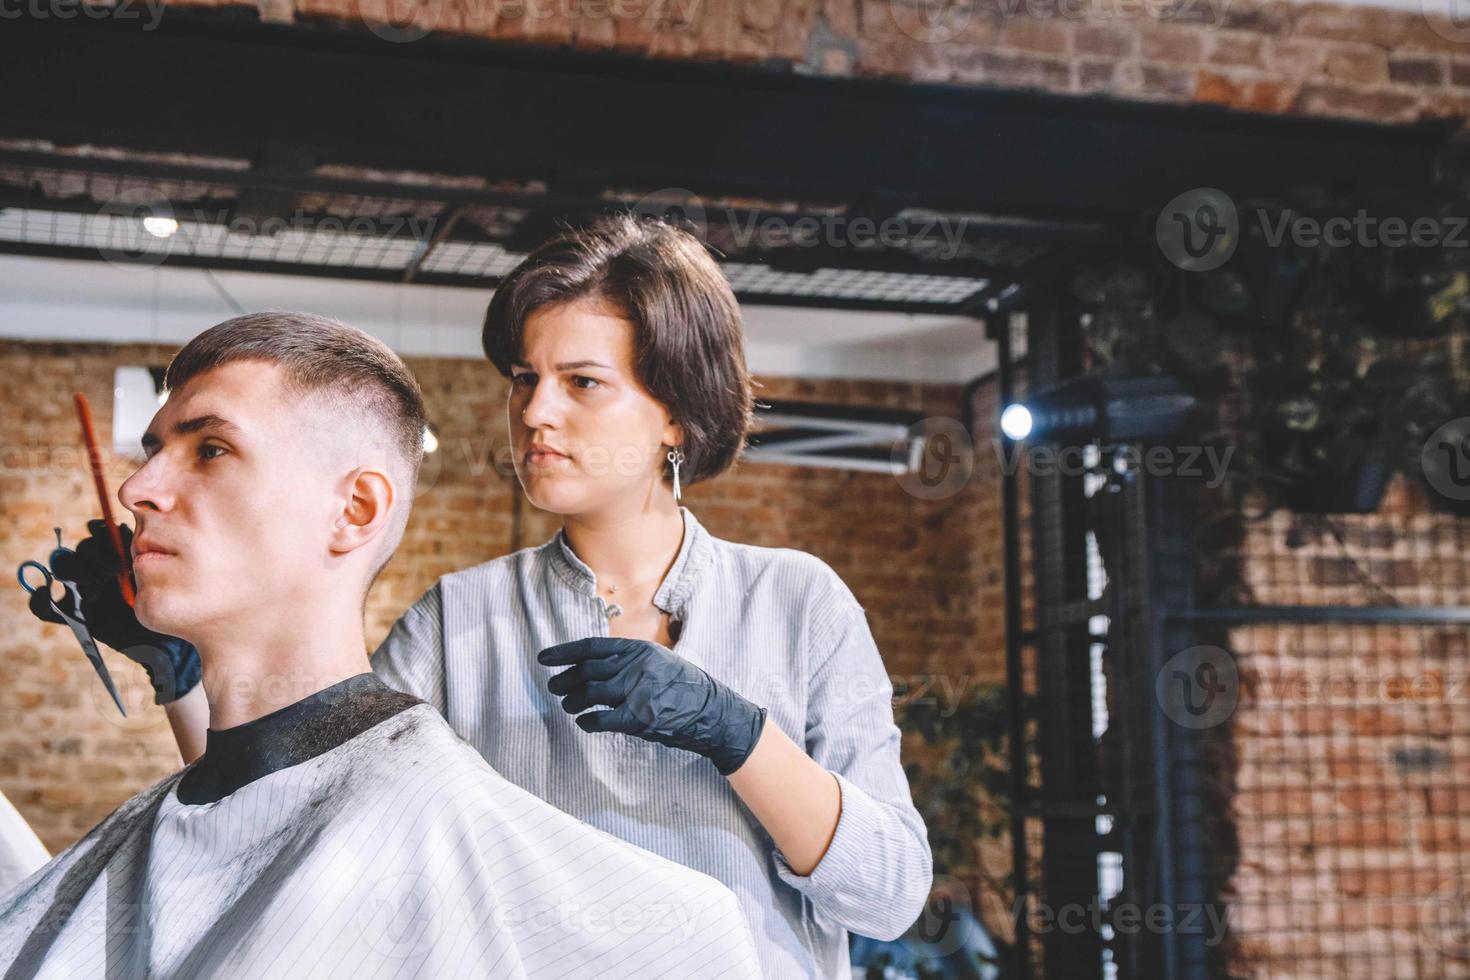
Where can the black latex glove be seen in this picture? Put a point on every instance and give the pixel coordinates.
(655, 694)
(172, 664)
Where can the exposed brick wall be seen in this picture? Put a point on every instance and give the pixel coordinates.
(1273, 56)
(1353, 751)
(926, 571)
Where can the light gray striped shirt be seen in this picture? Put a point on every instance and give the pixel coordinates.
(775, 624)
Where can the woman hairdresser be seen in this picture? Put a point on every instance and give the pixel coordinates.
(717, 703)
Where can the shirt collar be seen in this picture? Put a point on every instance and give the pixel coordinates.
(695, 554)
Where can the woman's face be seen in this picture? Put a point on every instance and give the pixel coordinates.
(574, 391)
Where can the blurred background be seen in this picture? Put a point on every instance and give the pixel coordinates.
(1113, 352)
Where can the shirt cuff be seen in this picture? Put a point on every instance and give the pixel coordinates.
(841, 867)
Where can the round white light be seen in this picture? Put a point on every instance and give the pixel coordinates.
(431, 441)
(1015, 422)
(160, 227)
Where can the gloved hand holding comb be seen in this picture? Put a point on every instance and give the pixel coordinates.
(172, 664)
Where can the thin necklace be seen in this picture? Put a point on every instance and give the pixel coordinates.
(615, 609)
(613, 589)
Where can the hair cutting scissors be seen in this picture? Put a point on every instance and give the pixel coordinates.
(69, 608)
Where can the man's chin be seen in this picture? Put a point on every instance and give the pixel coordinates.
(152, 607)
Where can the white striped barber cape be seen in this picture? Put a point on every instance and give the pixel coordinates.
(399, 853)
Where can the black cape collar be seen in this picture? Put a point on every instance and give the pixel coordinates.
(289, 736)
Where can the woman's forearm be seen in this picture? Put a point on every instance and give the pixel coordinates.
(796, 800)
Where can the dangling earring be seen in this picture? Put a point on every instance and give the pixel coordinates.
(676, 456)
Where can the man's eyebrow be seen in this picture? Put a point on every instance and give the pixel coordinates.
(570, 365)
(199, 423)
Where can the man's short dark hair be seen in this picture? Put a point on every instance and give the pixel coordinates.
(324, 357)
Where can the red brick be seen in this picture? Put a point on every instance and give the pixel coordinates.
(1421, 70)
(1445, 105)
(1443, 833)
(790, 38)
(1012, 69)
(842, 17)
(1359, 64)
(1366, 25)
(1350, 102)
(1171, 44)
(595, 33)
(762, 15)
(1272, 17)
(1165, 82)
(1039, 36)
(901, 57)
(1271, 96)
(1096, 76)
(1237, 48)
(533, 23)
(1094, 39)
(1213, 87)
(876, 19)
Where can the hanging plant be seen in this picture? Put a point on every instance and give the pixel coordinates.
(1343, 357)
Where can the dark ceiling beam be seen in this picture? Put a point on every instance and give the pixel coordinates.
(854, 304)
(212, 84)
(1003, 250)
(259, 205)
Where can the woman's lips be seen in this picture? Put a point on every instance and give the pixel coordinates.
(544, 457)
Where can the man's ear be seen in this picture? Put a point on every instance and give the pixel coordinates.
(364, 515)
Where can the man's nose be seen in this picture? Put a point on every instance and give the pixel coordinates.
(145, 489)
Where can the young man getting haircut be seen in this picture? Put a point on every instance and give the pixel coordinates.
(332, 827)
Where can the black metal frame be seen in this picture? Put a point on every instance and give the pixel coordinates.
(1154, 773)
(202, 82)
(1140, 776)
(448, 203)
(585, 123)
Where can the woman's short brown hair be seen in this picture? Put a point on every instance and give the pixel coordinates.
(688, 338)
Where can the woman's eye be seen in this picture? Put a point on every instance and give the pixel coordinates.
(206, 448)
(580, 378)
(523, 378)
